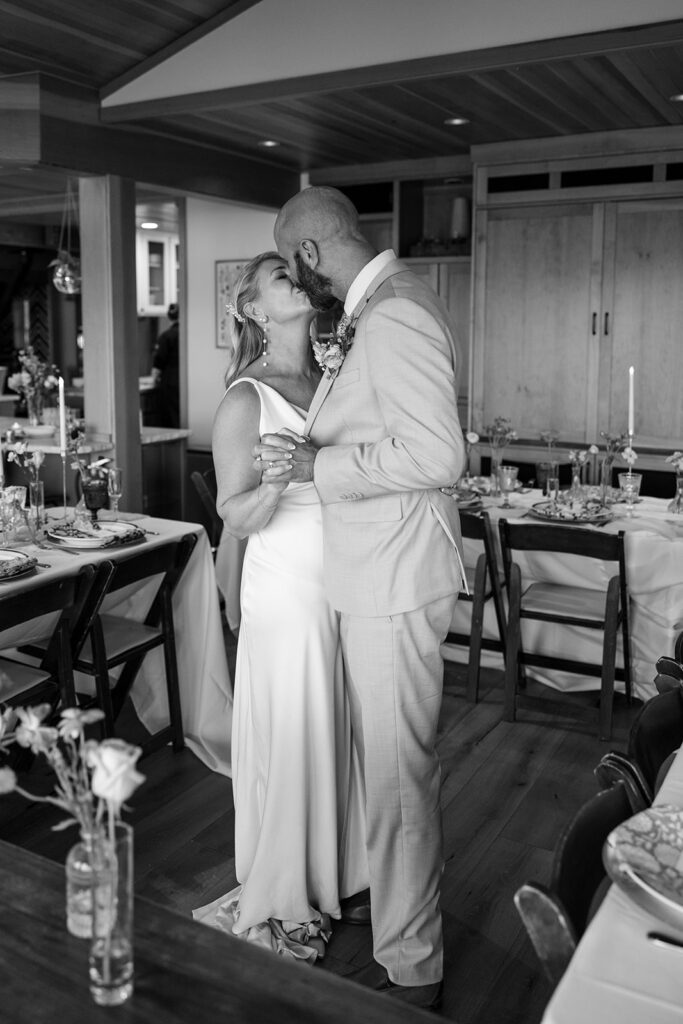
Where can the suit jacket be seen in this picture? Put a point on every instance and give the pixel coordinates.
(389, 436)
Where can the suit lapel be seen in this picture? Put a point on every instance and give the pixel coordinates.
(395, 267)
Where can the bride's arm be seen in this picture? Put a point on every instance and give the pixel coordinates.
(245, 501)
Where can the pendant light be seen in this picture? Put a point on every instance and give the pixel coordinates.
(66, 275)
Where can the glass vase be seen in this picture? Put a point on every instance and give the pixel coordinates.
(34, 408)
(83, 865)
(111, 947)
(606, 495)
(496, 463)
(36, 497)
(676, 506)
(575, 492)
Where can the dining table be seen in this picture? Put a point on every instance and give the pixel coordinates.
(619, 973)
(203, 672)
(184, 971)
(653, 540)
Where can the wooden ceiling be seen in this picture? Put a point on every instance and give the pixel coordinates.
(604, 82)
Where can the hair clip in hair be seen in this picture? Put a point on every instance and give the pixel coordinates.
(232, 308)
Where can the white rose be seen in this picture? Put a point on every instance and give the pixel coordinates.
(8, 781)
(472, 437)
(114, 776)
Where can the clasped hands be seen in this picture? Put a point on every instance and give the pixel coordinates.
(285, 457)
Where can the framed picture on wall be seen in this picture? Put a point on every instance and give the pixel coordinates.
(228, 273)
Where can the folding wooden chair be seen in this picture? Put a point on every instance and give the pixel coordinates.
(52, 679)
(556, 917)
(484, 584)
(616, 767)
(116, 640)
(606, 611)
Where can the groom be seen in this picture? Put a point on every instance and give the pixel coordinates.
(384, 436)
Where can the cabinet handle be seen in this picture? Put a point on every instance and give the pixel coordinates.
(594, 327)
(606, 323)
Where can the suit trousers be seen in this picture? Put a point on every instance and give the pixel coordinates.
(394, 676)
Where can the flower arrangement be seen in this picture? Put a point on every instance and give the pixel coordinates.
(471, 440)
(500, 432)
(629, 456)
(36, 378)
(614, 443)
(329, 355)
(550, 439)
(29, 462)
(676, 460)
(579, 457)
(93, 779)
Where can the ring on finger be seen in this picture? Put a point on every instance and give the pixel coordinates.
(270, 465)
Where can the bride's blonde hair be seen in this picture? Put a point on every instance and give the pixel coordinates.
(247, 334)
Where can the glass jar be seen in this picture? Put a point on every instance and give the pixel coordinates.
(81, 869)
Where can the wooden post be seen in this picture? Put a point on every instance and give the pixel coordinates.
(110, 353)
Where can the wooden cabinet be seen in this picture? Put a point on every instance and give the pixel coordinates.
(157, 261)
(567, 297)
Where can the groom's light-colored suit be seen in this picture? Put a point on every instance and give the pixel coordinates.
(389, 437)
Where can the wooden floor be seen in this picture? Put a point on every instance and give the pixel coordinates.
(507, 791)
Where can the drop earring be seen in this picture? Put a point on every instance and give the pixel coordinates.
(265, 344)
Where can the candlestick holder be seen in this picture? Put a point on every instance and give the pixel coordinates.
(64, 483)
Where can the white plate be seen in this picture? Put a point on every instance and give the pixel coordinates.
(108, 534)
(42, 430)
(15, 563)
(568, 516)
(644, 856)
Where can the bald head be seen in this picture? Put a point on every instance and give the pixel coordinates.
(319, 227)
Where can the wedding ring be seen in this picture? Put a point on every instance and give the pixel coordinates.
(270, 465)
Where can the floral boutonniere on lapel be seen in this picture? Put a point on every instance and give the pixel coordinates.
(329, 355)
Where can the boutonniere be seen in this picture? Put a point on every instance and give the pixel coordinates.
(330, 355)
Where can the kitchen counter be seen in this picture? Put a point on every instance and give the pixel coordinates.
(163, 435)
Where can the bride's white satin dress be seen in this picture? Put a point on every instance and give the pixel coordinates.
(299, 820)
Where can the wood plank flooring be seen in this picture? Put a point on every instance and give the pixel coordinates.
(508, 789)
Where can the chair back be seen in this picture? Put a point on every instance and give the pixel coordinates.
(656, 732)
(569, 540)
(206, 488)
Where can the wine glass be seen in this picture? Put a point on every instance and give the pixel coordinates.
(629, 484)
(114, 488)
(507, 478)
(95, 496)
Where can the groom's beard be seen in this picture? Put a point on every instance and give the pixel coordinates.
(317, 287)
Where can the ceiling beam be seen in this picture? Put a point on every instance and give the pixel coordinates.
(51, 123)
(491, 58)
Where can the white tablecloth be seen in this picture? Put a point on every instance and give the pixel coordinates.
(617, 975)
(654, 569)
(204, 677)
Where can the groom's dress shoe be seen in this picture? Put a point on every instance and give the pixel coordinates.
(375, 976)
(356, 909)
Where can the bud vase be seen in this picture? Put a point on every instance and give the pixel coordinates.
(676, 506)
(111, 948)
(606, 495)
(496, 463)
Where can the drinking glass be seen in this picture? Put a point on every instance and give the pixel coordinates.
(95, 496)
(114, 484)
(552, 489)
(630, 488)
(507, 478)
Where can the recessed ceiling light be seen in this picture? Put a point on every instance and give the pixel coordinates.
(456, 120)
(677, 97)
(268, 143)
(149, 225)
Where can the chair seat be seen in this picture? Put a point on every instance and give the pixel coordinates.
(121, 636)
(564, 602)
(16, 678)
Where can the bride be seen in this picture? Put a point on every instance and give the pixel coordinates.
(299, 832)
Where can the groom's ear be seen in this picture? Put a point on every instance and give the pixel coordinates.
(309, 252)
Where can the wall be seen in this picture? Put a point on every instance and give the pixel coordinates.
(215, 231)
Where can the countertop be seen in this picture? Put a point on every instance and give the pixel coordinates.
(49, 443)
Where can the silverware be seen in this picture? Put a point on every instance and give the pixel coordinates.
(660, 939)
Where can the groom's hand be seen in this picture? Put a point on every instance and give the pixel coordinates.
(287, 449)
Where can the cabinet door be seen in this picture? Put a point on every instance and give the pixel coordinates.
(642, 324)
(157, 272)
(535, 358)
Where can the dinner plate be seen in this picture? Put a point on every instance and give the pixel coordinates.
(108, 534)
(463, 497)
(644, 857)
(40, 430)
(568, 514)
(15, 563)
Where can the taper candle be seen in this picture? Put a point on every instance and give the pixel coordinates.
(62, 418)
(631, 374)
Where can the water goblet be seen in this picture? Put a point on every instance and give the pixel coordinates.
(629, 484)
(507, 478)
(114, 488)
(95, 496)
